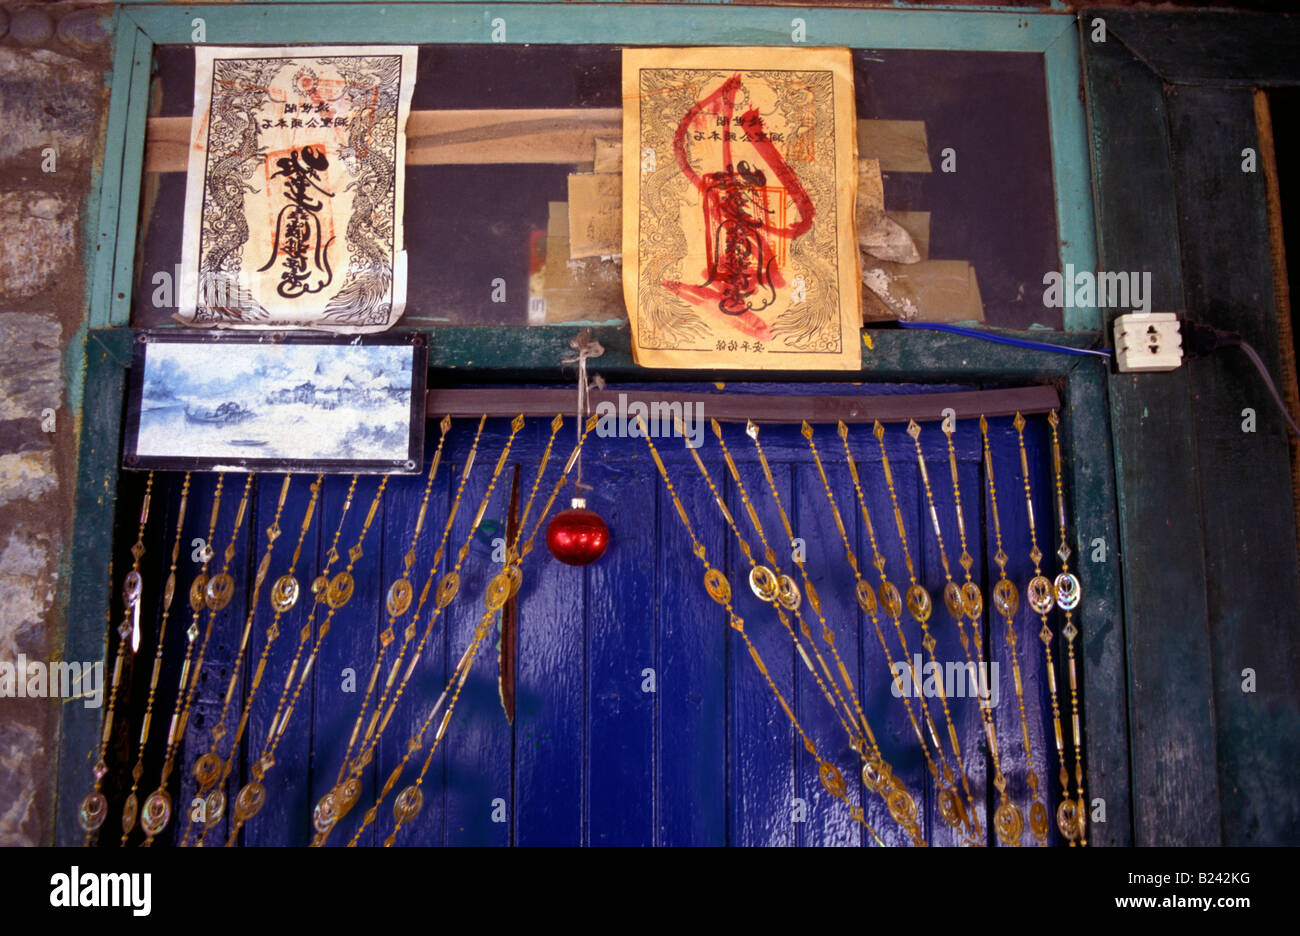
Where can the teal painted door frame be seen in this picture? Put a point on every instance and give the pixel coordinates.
(97, 386)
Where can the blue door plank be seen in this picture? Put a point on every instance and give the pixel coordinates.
(762, 766)
(347, 652)
(477, 745)
(283, 820)
(621, 612)
(854, 636)
(549, 718)
(805, 500)
(693, 665)
(431, 671)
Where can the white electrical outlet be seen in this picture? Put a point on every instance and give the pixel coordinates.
(1148, 342)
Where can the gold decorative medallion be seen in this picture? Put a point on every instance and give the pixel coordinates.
(339, 591)
(214, 806)
(1038, 820)
(901, 806)
(157, 812)
(871, 778)
(399, 597)
(1067, 819)
(1039, 594)
(284, 593)
(1008, 823)
(447, 589)
(408, 804)
(716, 584)
(972, 601)
(952, 600)
(890, 599)
(866, 597)
(498, 591)
(832, 780)
(197, 601)
(250, 801)
(349, 793)
(1005, 598)
(787, 593)
(93, 811)
(207, 769)
(324, 815)
(763, 583)
(516, 577)
(1067, 591)
(919, 603)
(950, 808)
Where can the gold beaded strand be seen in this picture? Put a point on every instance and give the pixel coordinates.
(284, 596)
(952, 600)
(1042, 599)
(447, 590)
(503, 586)
(968, 602)
(157, 811)
(94, 807)
(776, 588)
(343, 796)
(877, 774)
(719, 589)
(335, 593)
(1006, 599)
(169, 592)
(207, 769)
(1072, 820)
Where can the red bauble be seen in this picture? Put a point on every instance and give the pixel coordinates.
(577, 536)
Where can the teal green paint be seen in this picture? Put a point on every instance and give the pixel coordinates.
(104, 247)
(132, 172)
(611, 23)
(1071, 171)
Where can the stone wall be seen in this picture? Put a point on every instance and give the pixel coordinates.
(53, 105)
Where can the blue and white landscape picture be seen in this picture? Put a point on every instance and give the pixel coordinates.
(304, 402)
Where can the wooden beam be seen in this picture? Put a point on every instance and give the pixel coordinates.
(761, 408)
(556, 135)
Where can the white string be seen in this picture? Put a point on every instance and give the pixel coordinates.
(586, 349)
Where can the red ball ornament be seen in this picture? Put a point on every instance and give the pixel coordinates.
(577, 536)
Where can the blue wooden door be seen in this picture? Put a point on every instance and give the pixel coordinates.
(641, 717)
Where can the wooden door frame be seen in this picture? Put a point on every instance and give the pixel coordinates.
(1207, 522)
(96, 384)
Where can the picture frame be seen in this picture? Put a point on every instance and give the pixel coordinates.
(276, 401)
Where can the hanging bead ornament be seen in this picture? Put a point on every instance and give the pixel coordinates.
(579, 536)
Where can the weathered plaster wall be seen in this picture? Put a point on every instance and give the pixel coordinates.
(53, 102)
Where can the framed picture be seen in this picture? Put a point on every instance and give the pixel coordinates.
(245, 401)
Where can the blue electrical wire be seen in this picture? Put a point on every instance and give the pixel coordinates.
(1006, 339)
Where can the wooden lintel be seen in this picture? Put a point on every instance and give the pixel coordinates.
(555, 135)
(740, 407)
